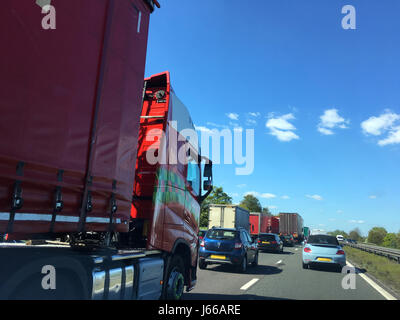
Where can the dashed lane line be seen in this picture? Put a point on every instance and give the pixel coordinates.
(249, 284)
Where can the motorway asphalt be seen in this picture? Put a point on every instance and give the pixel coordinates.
(280, 277)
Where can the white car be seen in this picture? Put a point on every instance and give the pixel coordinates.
(339, 237)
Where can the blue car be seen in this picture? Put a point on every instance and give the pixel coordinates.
(323, 249)
(228, 246)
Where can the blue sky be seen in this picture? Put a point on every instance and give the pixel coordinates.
(324, 102)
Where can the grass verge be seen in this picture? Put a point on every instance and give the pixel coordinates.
(383, 269)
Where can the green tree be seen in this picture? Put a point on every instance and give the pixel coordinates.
(251, 203)
(266, 211)
(217, 196)
(355, 234)
(391, 240)
(376, 235)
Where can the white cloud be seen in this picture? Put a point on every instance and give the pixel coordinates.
(251, 122)
(357, 221)
(387, 123)
(235, 194)
(377, 125)
(254, 114)
(393, 138)
(372, 197)
(281, 123)
(267, 196)
(281, 128)
(241, 185)
(285, 197)
(331, 120)
(202, 129)
(233, 116)
(325, 131)
(332, 219)
(272, 207)
(261, 195)
(315, 197)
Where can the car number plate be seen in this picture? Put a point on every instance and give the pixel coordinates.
(218, 257)
(265, 242)
(324, 259)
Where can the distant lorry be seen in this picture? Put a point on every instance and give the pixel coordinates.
(272, 225)
(306, 232)
(258, 223)
(262, 223)
(228, 216)
(78, 192)
(291, 224)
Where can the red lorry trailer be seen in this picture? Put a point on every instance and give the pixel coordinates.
(291, 224)
(258, 223)
(77, 122)
(272, 225)
(262, 223)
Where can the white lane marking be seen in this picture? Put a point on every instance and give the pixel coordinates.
(249, 284)
(374, 285)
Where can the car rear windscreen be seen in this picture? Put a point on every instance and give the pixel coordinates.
(322, 239)
(222, 234)
(269, 237)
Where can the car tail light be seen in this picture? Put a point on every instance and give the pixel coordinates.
(307, 249)
(340, 252)
(259, 241)
(238, 245)
(202, 243)
(273, 242)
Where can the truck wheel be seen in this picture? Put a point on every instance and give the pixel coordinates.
(202, 264)
(174, 281)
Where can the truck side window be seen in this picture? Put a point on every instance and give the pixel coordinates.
(193, 176)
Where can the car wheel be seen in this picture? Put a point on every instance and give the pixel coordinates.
(255, 262)
(243, 265)
(305, 266)
(202, 264)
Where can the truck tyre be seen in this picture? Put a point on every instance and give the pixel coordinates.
(243, 265)
(174, 281)
(202, 264)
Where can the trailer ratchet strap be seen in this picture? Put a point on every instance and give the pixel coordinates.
(16, 201)
(58, 200)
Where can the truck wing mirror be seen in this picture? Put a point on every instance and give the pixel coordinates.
(208, 183)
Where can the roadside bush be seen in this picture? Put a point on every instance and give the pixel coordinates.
(376, 235)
